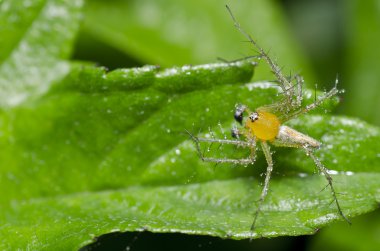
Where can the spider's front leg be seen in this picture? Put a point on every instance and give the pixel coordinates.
(251, 143)
(295, 92)
(327, 95)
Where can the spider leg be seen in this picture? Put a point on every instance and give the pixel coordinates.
(284, 83)
(313, 105)
(223, 141)
(232, 161)
(236, 60)
(264, 192)
(250, 143)
(295, 91)
(299, 82)
(324, 170)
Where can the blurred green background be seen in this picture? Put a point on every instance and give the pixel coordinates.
(320, 39)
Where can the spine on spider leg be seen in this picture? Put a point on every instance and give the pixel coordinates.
(284, 83)
(299, 81)
(264, 192)
(314, 105)
(329, 179)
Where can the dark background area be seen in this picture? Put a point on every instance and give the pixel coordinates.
(150, 241)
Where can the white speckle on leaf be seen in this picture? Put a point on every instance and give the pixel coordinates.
(262, 85)
(302, 175)
(333, 172)
(54, 11)
(323, 219)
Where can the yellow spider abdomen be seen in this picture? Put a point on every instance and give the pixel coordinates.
(263, 125)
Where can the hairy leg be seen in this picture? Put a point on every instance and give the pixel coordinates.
(251, 143)
(324, 170)
(313, 105)
(264, 192)
(285, 85)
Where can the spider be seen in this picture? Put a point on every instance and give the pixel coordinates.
(265, 126)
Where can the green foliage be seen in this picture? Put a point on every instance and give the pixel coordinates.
(197, 32)
(362, 65)
(339, 37)
(36, 38)
(86, 152)
(111, 158)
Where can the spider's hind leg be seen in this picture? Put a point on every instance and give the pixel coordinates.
(325, 171)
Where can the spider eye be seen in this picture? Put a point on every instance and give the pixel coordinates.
(239, 117)
(239, 114)
(235, 133)
(253, 116)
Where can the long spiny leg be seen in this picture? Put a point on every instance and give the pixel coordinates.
(232, 161)
(264, 192)
(296, 92)
(238, 59)
(223, 141)
(324, 170)
(251, 144)
(299, 81)
(284, 83)
(313, 105)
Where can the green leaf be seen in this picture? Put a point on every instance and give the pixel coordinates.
(85, 152)
(105, 156)
(170, 33)
(36, 37)
(361, 236)
(88, 129)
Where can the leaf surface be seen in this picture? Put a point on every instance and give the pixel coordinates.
(37, 38)
(85, 152)
(105, 156)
